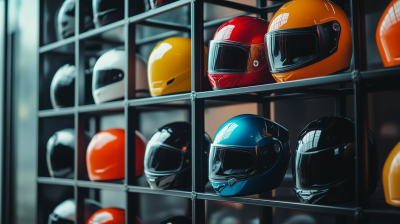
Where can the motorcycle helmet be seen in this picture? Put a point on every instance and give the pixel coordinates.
(64, 213)
(62, 87)
(391, 177)
(323, 162)
(110, 216)
(107, 11)
(157, 3)
(105, 156)
(237, 55)
(109, 73)
(250, 154)
(308, 38)
(169, 67)
(60, 153)
(168, 157)
(387, 35)
(177, 220)
(66, 19)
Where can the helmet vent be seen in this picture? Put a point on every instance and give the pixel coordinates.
(170, 81)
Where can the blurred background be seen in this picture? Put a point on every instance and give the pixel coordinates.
(23, 64)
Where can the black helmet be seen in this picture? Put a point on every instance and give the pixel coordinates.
(177, 220)
(63, 86)
(323, 161)
(66, 18)
(60, 153)
(168, 156)
(107, 11)
(64, 213)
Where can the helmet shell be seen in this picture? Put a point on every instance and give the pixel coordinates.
(60, 153)
(318, 139)
(169, 66)
(105, 156)
(387, 35)
(252, 131)
(62, 87)
(391, 177)
(307, 13)
(115, 60)
(67, 209)
(110, 216)
(178, 136)
(245, 30)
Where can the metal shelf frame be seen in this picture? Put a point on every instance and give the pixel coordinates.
(197, 100)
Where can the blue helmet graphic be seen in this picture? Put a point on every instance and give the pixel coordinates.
(250, 154)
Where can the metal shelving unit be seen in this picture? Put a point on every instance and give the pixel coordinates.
(334, 85)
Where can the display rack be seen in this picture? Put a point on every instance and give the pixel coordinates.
(357, 82)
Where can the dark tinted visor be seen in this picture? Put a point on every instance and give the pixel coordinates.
(227, 162)
(232, 57)
(319, 169)
(291, 49)
(55, 219)
(107, 77)
(163, 158)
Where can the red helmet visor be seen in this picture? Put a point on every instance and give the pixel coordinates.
(235, 58)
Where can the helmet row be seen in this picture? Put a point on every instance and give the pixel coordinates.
(65, 213)
(96, 13)
(250, 154)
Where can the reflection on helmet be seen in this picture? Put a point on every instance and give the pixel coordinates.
(308, 38)
(157, 3)
(250, 154)
(237, 54)
(391, 177)
(109, 77)
(66, 19)
(64, 213)
(110, 216)
(107, 11)
(177, 220)
(169, 66)
(63, 86)
(387, 35)
(323, 161)
(105, 156)
(60, 153)
(168, 157)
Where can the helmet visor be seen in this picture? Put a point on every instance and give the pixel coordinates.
(107, 77)
(164, 158)
(321, 169)
(233, 57)
(227, 162)
(291, 49)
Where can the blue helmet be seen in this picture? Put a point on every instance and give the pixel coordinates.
(250, 154)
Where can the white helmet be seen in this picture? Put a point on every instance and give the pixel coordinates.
(109, 77)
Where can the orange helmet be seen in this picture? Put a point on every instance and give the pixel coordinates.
(391, 177)
(308, 38)
(387, 35)
(110, 216)
(105, 156)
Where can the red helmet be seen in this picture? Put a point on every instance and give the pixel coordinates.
(105, 156)
(110, 216)
(237, 56)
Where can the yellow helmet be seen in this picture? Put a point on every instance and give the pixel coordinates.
(169, 66)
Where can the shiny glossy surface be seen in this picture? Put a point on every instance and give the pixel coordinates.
(67, 211)
(324, 159)
(388, 35)
(63, 86)
(109, 216)
(241, 30)
(105, 156)
(60, 153)
(307, 13)
(252, 131)
(169, 66)
(391, 177)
